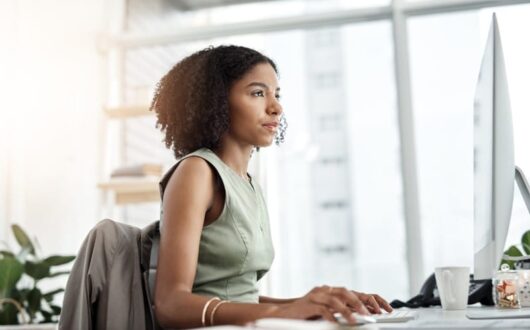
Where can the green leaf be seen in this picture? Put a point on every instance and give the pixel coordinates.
(512, 251)
(6, 253)
(49, 295)
(10, 272)
(58, 260)
(47, 316)
(34, 298)
(525, 241)
(23, 239)
(37, 270)
(59, 274)
(56, 309)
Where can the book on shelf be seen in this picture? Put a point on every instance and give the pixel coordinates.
(139, 170)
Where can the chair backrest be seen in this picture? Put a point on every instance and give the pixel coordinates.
(149, 244)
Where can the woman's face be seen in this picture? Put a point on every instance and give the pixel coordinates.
(254, 107)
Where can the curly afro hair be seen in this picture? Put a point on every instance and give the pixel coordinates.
(191, 100)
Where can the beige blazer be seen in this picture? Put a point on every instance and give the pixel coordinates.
(104, 290)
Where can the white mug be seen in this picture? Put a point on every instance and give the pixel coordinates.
(453, 286)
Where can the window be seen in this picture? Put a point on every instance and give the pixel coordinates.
(339, 164)
(334, 188)
(445, 55)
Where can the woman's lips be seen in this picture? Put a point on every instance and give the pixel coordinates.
(271, 126)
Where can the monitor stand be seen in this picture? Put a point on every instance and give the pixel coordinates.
(484, 313)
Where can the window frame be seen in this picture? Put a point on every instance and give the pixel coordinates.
(397, 12)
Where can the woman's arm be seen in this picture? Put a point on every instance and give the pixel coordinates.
(269, 300)
(187, 197)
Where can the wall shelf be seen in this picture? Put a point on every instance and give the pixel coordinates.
(132, 190)
(128, 111)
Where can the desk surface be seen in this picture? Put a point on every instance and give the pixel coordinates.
(428, 318)
(437, 318)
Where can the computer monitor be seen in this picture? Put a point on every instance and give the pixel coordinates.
(494, 168)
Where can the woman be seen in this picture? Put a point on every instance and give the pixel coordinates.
(215, 107)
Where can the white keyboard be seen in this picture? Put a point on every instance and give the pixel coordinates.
(394, 317)
(282, 324)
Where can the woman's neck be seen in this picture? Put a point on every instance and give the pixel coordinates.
(234, 155)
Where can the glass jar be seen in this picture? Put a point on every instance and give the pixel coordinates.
(524, 287)
(505, 289)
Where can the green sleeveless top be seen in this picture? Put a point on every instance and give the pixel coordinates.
(236, 249)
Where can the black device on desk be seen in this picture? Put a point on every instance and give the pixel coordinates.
(480, 291)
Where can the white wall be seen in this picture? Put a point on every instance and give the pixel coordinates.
(51, 85)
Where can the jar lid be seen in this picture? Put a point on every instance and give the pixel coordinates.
(504, 274)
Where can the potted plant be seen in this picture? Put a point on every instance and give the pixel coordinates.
(515, 254)
(21, 299)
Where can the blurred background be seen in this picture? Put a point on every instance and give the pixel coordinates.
(373, 187)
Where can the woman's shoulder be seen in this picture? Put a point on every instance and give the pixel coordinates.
(188, 172)
(193, 180)
(192, 167)
(192, 162)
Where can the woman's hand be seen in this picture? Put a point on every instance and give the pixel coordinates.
(373, 302)
(323, 302)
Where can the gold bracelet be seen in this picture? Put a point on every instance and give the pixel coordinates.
(215, 309)
(203, 318)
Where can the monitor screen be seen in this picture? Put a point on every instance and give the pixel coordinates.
(494, 168)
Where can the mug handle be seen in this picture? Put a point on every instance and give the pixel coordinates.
(448, 276)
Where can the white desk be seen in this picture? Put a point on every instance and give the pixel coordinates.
(428, 318)
(437, 318)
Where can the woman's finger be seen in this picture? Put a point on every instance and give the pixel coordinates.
(351, 300)
(370, 309)
(380, 301)
(329, 301)
(334, 304)
(373, 304)
(383, 303)
(323, 288)
(338, 306)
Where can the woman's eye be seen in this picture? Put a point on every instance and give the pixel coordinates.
(258, 93)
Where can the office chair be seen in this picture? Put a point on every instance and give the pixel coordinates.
(149, 244)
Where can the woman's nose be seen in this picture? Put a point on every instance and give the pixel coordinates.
(274, 108)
